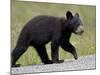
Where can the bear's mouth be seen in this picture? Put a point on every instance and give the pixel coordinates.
(79, 30)
(79, 33)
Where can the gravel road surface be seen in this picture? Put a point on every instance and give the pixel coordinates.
(83, 63)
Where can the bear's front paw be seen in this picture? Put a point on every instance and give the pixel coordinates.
(75, 56)
(48, 62)
(58, 61)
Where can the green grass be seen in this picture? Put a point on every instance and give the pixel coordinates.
(22, 12)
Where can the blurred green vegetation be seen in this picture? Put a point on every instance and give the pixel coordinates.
(22, 12)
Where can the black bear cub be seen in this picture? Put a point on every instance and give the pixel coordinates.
(43, 29)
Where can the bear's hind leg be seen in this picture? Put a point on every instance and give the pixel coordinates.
(17, 52)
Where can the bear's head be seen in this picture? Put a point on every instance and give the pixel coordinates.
(74, 23)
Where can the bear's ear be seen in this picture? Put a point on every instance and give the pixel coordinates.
(77, 14)
(69, 15)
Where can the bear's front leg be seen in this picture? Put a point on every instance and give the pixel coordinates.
(55, 43)
(70, 48)
(55, 53)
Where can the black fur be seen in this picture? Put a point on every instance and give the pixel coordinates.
(43, 29)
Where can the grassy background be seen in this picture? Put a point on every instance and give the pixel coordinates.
(22, 12)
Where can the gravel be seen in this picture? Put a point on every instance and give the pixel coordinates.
(83, 63)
